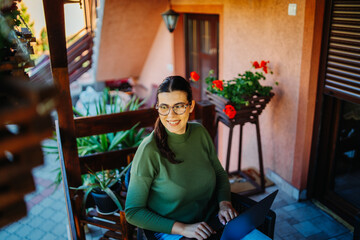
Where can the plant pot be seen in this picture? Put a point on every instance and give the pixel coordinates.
(246, 113)
(104, 204)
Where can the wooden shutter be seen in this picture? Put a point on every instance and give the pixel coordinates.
(342, 79)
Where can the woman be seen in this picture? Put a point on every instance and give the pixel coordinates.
(177, 182)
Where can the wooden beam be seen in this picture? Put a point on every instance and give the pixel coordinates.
(55, 24)
(88, 126)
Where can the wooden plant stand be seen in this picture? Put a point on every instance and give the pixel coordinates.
(246, 114)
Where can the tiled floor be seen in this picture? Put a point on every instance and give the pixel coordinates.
(47, 215)
(303, 220)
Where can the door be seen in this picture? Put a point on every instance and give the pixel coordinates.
(335, 177)
(201, 40)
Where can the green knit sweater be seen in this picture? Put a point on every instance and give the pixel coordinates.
(161, 193)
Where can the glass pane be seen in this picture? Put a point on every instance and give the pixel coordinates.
(347, 157)
(193, 48)
(205, 37)
(193, 51)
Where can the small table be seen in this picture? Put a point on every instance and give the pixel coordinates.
(258, 188)
(248, 114)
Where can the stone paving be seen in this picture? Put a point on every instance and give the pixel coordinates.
(47, 216)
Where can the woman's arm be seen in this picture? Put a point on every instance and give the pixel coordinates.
(145, 168)
(226, 210)
(199, 230)
(138, 214)
(137, 211)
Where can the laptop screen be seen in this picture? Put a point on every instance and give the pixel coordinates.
(248, 220)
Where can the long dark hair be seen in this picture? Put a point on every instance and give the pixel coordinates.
(172, 83)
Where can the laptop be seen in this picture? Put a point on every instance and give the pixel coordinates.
(247, 221)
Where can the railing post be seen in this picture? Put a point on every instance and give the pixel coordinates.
(206, 112)
(55, 24)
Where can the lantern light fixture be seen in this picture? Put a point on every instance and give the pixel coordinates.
(170, 18)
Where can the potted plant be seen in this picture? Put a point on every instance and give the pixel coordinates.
(104, 187)
(241, 97)
(104, 104)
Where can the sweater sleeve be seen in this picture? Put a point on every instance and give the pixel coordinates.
(222, 181)
(136, 211)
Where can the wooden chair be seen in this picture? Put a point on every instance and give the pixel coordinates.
(88, 126)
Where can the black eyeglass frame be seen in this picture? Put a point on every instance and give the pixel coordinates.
(186, 105)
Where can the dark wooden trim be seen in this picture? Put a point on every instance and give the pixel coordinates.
(55, 24)
(321, 168)
(342, 80)
(213, 19)
(114, 122)
(73, 218)
(79, 72)
(146, 118)
(75, 50)
(112, 160)
(347, 211)
(315, 146)
(205, 111)
(186, 43)
(79, 46)
(78, 65)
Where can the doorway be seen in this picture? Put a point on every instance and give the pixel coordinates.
(335, 162)
(201, 48)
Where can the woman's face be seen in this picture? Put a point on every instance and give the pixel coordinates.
(173, 122)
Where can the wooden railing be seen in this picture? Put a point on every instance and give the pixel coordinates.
(78, 55)
(101, 124)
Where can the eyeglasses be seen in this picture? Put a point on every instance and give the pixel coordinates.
(178, 109)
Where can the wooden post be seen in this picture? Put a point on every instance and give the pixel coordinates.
(240, 146)
(207, 115)
(229, 148)
(261, 165)
(55, 24)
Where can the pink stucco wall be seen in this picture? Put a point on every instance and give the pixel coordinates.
(128, 32)
(249, 31)
(160, 60)
(257, 30)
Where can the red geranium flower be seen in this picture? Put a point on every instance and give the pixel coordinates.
(230, 111)
(218, 84)
(256, 65)
(194, 76)
(264, 66)
(264, 63)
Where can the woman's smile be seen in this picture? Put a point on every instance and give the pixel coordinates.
(173, 122)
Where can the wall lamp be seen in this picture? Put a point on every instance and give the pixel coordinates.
(170, 18)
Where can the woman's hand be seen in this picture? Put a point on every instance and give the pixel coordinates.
(226, 212)
(199, 230)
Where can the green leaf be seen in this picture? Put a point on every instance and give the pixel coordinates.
(104, 142)
(110, 136)
(119, 137)
(123, 172)
(77, 112)
(114, 197)
(86, 195)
